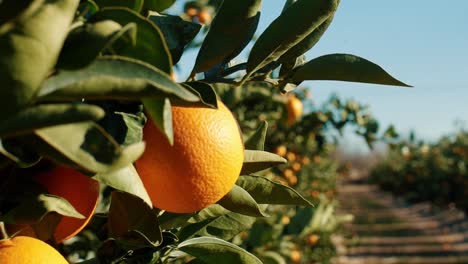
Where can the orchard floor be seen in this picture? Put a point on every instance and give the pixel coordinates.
(387, 230)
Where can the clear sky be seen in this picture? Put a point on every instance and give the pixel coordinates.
(420, 42)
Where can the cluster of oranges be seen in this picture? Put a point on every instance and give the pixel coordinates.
(201, 15)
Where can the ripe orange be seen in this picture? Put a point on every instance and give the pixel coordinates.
(281, 150)
(204, 17)
(81, 191)
(191, 11)
(201, 167)
(296, 166)
(294, 107)
(312, 239)
(26, 250)
(295, 256)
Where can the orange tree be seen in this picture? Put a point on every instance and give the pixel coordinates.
(79, 80)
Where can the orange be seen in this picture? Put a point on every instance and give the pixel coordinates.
(294, 107)
(200, 168)
(312, 239)
(295, 256)
(281, 150)
(285, 220)
(27, 250)
(296, 166)
(204, 17)
(191, 11)
(81, 191)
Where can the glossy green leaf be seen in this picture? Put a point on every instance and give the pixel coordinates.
(272, 257)
(161, 115)
(28, 52)
(265, 191)
(158, 5)
(308, 42)
(127, 180)
(86, 42)
(344, 67)
(133, 221)
(286, 31)
(257, 140)
(150, 45)
(47, 115)
(256, 160)
(33, 209)
(176, 31)
(231, 30)
(239, 201)
(214, 250)
(86, 145)
(113, 77)
(135, 5)
(206, 93)
(216, 221)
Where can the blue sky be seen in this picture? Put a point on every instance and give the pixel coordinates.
(422, 43)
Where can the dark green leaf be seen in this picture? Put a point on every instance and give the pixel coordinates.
(256, 160)
(205, 91)
(239, 201)
(126, 180)
(158, 5)
(265, 191)
(344, 67)
(216, 221)
(113, 77)
(29, 50)
(231, 30)
(85, 43)
(47, 115)
(257, 140)
(170, 220)
(33, 209)
(177, 32)
(300, 220)
(14, 150)
(136, 5)
(150, 46)
(214, 251)
(88, 146)
(161, 115)
(292, 26)
(132, 220)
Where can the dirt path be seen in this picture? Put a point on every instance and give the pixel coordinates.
(387, 231)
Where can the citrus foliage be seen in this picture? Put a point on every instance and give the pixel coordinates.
(421, 171)
(81, 79)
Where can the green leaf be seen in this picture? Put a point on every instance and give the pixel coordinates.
(170, 220)
(14, 150)
(292, 26)
(13, 9)
(301, 220)
(344, 67)
(150, 45)
(34, 208)
(161, 115)
(176, 31)
(239, 201)
(265, 191)
(29, 50)
(308, 42)
(205, 91)
(231, 30)
(87, 146)
(257, 140)
(214, 250)
(158, 5)
(256, 160)
(272, 257)
(47, 115)
(135, 5)
(216, 221)
(113, 77)
(133, 221)
(86, 42)
(127, 180)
